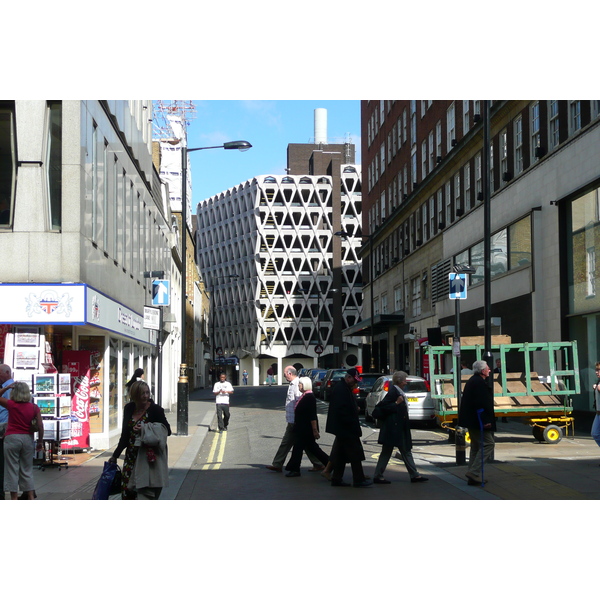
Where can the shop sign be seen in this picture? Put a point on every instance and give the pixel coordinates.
(56, 304)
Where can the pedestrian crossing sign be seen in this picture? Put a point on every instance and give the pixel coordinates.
(458, 286)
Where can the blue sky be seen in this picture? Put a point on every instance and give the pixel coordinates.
(269, 125)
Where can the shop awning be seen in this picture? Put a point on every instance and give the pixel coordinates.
(381, 324)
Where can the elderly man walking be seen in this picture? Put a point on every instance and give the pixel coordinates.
(477, 414)
(287, 442)
(343, 422)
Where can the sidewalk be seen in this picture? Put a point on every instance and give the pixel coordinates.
(78, 479)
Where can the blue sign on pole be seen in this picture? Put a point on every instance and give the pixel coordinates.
(161, 292)
(458, 286)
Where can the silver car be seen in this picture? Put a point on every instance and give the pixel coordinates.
(420, 403)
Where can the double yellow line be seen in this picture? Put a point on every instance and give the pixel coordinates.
(218, 444)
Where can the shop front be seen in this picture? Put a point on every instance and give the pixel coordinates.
(83, 347)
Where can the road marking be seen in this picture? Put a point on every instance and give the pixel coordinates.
(218, 443)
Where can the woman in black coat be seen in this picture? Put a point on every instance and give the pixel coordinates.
(306, 429)
(392, 411)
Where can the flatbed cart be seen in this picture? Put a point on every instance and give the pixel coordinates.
(543, 402)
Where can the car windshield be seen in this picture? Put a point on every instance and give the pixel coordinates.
(416, 386)
(368, 380)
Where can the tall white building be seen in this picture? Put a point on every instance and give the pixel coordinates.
(283, 285)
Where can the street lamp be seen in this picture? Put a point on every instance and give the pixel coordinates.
(183, 384)
(344, 234)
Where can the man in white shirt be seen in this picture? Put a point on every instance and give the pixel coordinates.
(222, 390)
(287, 442)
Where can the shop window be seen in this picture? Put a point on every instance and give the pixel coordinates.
(54, 165)
(7, 164)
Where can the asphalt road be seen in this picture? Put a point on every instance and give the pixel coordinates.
(232, 465)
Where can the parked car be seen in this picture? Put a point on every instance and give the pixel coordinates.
(364, 387)
(317, 376)
(420, 402)
(331, 378)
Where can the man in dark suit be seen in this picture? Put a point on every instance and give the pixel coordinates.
(343, 422)
(477, 413)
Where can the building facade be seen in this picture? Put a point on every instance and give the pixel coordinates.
(423, 207)
(83, 218)
(283, 285)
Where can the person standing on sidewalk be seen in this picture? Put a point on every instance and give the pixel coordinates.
(596, 423)
(5, 380)
(18, 441)
(222, 390)
(395, 430)
(287, 441)
(344, 424)
(477, 413)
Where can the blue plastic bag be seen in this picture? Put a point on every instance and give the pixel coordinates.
(104, 487)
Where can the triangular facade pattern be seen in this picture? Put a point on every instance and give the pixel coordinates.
(264, 248)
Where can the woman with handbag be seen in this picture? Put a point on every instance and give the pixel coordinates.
(392, 411)
(140, 411)
(306, 429)
(24, 419)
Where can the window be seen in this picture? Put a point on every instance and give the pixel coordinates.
(518, 136)
(416, 296)
(465, 117)
(478, 177)
(519, 243)
(384, 304)
(54, 165)
(431, 152)
(553, 125)
(499, 256)
(424, 158)
(574, 116)
(450, 127)
(535, 130)
(491, 166)
(476, 262)
(7, 164)
(591, 271)
(398, 298)
(404, 125)
(94, 232)
(432, 216)
(503, 142)
(457, 202)
(382, 157)
(413, 122)
(468, 197)
(104, 231)
(448, 194)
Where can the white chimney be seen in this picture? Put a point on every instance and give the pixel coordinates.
(320, 126)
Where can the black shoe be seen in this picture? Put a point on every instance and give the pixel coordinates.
(339, 483)
(364, 483)
(419, 479)
(380, 480)
(293, 474)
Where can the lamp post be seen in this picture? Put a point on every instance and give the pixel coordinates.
(345, 235)
(183, 384)
(487, 241)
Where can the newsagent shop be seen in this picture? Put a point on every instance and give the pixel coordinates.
(75, 348)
